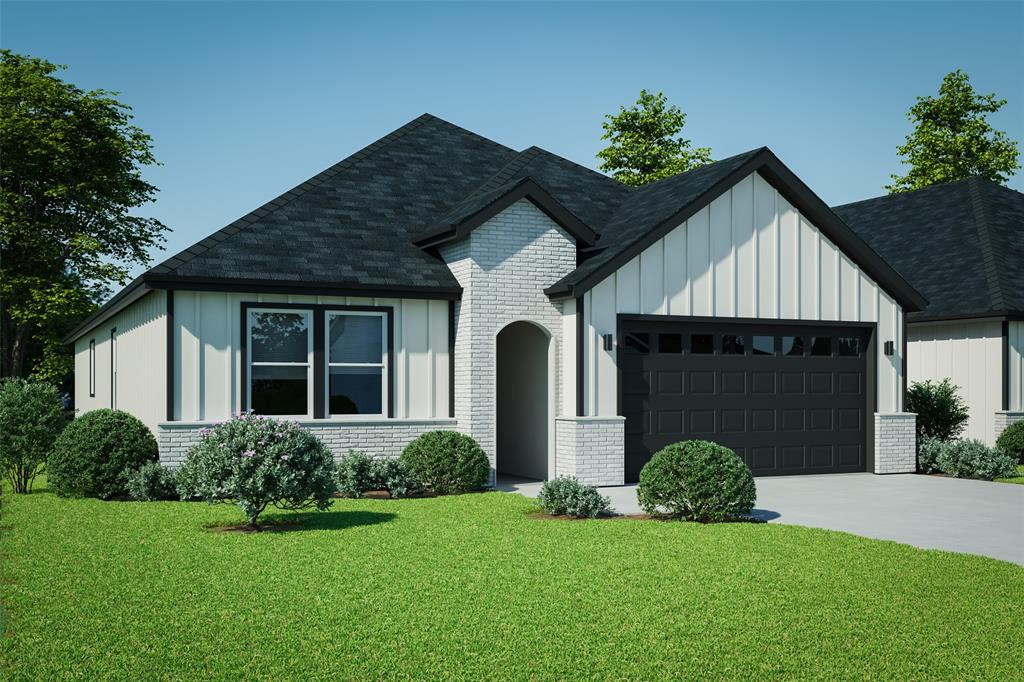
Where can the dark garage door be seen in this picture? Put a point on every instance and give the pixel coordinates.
(788, 399)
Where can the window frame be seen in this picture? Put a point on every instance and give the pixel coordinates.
(92, 368)
(384, 364)
(308, 364)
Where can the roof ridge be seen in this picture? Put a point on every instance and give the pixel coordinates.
(237, 225)
(988, 254)
(505, 173)
(591, 171)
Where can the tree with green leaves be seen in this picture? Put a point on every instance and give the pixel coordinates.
(953, 140)
(645, 143)
(70, 175)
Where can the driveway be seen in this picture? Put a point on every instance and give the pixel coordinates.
(957, 515)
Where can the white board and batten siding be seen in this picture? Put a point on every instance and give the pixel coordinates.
(1016, 368)
(749, 254)
(208, 359)
(134, 377)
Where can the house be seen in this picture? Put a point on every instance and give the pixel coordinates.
(961, 244)
(572, 325)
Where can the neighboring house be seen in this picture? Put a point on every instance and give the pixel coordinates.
(961, 244)
(572, 325)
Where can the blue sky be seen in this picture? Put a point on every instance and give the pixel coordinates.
(246, 100)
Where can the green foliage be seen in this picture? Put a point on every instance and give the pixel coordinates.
(97, 452)
(71, 175)
(697, 480)
(941, 412)
(255, 461)
(447, 462)
(153, 481)
(31, 418)
(928, 450)
(566, 495)
(953, 140)
(355, 474)
(1011, 441)
(395, 476)
(645, 143)
(973, 459)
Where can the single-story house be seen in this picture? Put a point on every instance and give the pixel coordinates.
(572, 325)
(961, 244)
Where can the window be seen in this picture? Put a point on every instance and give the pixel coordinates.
(792, 345)
(702, 344)
(92, 368)
(280, 361)
(733, 344)
(356, 363)
(763, 345)
(849, 346)
(670, 343)
(821, 345)
(637, 342)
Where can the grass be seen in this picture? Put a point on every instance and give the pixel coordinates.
(1018, 479)
(468, 587)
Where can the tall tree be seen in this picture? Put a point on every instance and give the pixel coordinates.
(71, 171)
(645, 143)
(953, 140)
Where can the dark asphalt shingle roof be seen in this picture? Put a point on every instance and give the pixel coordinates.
(961, 244)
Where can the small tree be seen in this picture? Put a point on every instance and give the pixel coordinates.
(941, 412)
(953, 140)
(255, 462)
(645, 143)
(31, 418)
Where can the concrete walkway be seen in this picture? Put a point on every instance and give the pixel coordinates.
(932, 512)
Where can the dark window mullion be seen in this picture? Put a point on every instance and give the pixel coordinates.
(319, 363)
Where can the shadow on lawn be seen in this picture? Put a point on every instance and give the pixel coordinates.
(328, 520)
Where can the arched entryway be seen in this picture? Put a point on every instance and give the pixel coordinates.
(522, 401)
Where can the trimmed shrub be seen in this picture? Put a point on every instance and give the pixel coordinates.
(697, 480)
(355, 474)
(1011, 441)
(566, 495)
(255, 461)
(395, 476)
(927, 453)
(97, 452)
(31, 418)
(941, 412)
(447, 462)
(153, 481)
(973, 459)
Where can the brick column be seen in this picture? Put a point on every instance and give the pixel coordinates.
(895, 443)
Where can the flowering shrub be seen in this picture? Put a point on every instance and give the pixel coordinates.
(256, 461)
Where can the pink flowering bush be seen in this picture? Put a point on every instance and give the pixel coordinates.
(256, 461)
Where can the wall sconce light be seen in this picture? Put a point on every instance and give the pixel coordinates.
(607, 341)
(890, 348)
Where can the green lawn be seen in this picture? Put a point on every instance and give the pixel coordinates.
(1019, 478)
(469, 587)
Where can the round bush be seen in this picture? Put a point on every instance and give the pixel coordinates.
(566, 495)
(31, 418)
(973, 459)
(696, 480)
(447, 462)
(152, 481)
(256, 461)
(1011, 441)
(941, 412)
(355, 474)
(97, 452)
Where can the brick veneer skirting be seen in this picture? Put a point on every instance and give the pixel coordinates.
(1004, 419)
(380, 438)
(896, 443)
(591, 449)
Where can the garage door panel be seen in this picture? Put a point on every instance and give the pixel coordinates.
(787, 399)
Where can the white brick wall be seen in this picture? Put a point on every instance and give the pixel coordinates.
(895, 443)
(503, 266)
(591, 449)
(1004, 419)
(380, 438)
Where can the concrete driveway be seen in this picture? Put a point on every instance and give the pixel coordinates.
(956, 515)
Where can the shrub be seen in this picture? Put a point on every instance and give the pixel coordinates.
(566, 495)
(31, 418)
(255, 461)
(973, 459)
(1011, 441)
(395, 476)
(697, 480)
(97, 451)
(152, 481)
(447, 462)
(355, 474)
(927, 453)
(941, 413)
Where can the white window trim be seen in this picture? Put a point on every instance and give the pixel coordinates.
(308, 315)
(383, 364)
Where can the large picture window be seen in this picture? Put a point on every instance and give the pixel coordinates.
(280, 361)
(356, 363)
